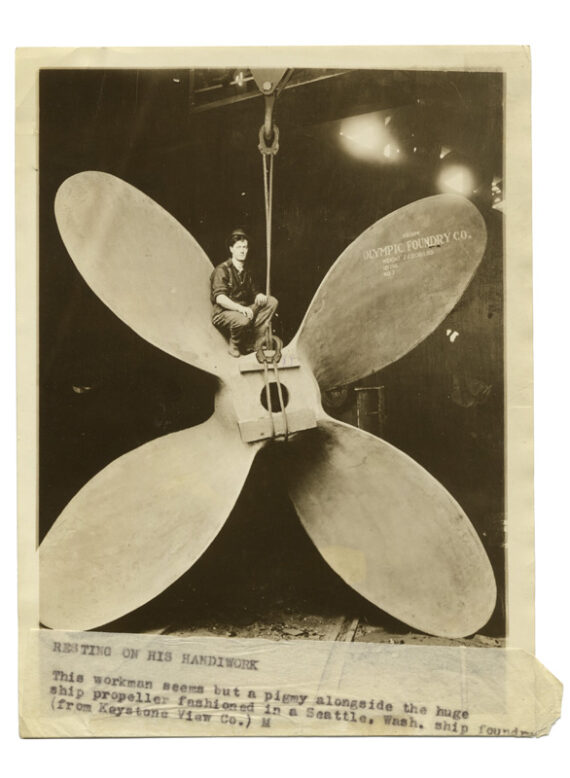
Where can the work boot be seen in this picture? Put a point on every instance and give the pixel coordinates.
(233, 350)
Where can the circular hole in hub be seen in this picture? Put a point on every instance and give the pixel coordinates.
(274, 396)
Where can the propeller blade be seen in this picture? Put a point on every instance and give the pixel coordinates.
(139, 524)
(390, 530)
(391, 288)
(143, 264)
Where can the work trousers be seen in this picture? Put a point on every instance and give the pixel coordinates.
(245, 332)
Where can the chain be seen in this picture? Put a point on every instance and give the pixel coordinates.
(268, 152)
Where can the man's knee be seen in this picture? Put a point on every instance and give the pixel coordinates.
(230, 320)
(272, 302)
(239, 323)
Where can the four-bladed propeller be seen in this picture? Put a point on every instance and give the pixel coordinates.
(387, 527)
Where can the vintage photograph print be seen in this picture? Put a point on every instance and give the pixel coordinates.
(275, 394)
(271, 370)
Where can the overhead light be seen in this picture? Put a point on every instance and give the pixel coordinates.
(457, 178)
(458, 174)
(444, 152)
(366, 137)
(391, 151)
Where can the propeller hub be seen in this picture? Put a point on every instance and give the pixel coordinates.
(259, 418)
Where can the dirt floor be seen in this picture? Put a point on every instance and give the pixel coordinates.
(292, 624)
(290, 627)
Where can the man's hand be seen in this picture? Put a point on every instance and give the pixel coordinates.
(247, 312)
(261, 299)
(229, 305)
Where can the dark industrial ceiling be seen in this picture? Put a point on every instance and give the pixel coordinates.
(212, 87)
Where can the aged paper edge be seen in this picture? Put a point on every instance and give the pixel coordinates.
(515, 63)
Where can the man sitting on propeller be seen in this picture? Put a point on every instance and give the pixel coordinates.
(239, 309)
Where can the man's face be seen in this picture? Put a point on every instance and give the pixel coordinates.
(239, 250)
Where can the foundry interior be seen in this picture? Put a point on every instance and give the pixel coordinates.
(354, 146)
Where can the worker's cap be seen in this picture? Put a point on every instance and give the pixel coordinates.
(237, 234)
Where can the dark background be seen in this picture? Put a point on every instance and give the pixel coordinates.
(104, 391)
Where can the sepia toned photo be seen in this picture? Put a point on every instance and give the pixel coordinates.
(272, 398)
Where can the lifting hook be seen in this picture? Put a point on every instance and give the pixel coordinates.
(270, 82)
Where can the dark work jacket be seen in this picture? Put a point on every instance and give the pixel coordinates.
(226, 280)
